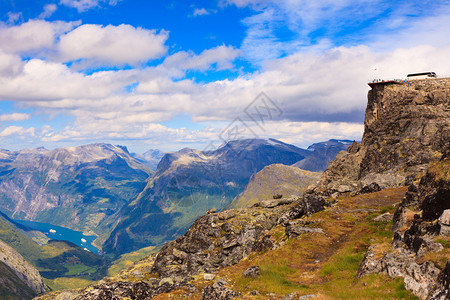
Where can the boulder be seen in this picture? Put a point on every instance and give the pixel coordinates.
(290, 296)
(444, 221)
(370, 188)
(209, 276)
(252, 271)
(386, 217)
(294, 231)
(344, 188)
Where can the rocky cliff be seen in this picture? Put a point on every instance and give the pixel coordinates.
(420, 249)
(23, 270)
(406, 126)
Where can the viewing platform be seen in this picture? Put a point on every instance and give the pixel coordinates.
(412, 76)
(386, 81)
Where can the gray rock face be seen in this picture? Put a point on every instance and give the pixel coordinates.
(123, 289)
(214, 241)
(415, 224)
(386, 217)
(444, 221)
(420, 279)
(405, 128)
(233, 240)
(23, 269)
(441, 290)
(370, 188)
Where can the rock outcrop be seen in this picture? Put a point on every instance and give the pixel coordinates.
(22, 269)
(417, 232)
(406, 127)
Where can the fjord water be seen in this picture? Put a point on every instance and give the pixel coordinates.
(63, 234)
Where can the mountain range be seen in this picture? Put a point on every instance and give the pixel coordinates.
(103, 190)
(78, 187)
(187, 183)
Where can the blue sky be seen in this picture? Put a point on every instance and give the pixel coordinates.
(173, 74)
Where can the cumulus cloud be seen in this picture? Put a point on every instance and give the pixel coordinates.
(14, 117)
(39, 80)
(49, 9)
(84, 46)
(32, 37)
(110, 45)
(10, 65)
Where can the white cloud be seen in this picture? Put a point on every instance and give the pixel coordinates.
(111, 45)
(10, 65)
(32, 37)
(321, 88)
(49, 9)
(86, 46)
(17, 131)
(39, 80)
(85, 5)
(281, 27)
(14, 117)
(200, 12)
(221, 56)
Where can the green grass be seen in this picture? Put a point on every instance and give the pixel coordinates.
(62, 283)
(444, 243)
(75, 270)
(347, 262)
(273, 278)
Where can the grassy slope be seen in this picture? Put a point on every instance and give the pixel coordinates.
(322, 264)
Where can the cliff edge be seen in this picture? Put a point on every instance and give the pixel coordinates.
(406, 126)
